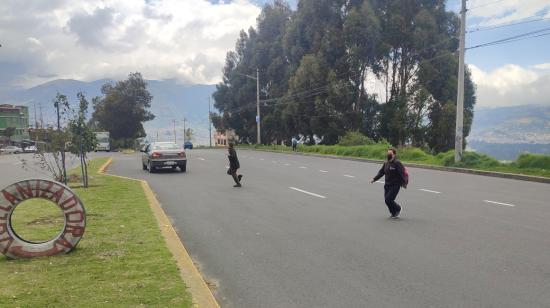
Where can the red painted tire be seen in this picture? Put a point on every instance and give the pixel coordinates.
(14, 246)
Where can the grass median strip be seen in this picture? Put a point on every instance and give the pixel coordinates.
(525, 164)
(121, 261)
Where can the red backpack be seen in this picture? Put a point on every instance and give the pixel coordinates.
(405, 177)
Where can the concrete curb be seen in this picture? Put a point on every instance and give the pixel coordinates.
(514, 176)
(202, 296)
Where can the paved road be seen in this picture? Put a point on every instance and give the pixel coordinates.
(313, 232)
(11, 167)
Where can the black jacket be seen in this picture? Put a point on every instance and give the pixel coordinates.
(394, 173)
(233, 159)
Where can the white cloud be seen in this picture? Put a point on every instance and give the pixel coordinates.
(492, 13)
(543, 66)
(511, 85)
(92, 39)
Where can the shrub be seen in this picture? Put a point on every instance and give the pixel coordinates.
(539, 161)
(470, 160)
(354, 138)
(413, 154)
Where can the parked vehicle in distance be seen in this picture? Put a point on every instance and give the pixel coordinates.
(162, 155)
(11, 149)
(30, 149)
(103, 141)
(188, 145)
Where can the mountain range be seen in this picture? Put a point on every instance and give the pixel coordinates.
(172, 101)
(506, 132)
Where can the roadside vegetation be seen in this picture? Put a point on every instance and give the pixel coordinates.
(357, 145)
(122, 260)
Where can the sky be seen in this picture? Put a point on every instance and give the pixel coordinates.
(187, 40)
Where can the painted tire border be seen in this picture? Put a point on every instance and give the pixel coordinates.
(70, 204)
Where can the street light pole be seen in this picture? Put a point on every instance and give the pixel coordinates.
(209, 122)
(258, 119)
(460, 96)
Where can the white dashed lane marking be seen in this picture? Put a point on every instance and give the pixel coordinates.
(307, 192)
(499, 203)
(430, 191)
(324, 171)
(349, 176)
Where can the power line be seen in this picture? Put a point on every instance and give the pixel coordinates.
(527, 35)
(509, 24)
(484, 5)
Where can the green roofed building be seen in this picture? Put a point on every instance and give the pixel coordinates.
(17, 118)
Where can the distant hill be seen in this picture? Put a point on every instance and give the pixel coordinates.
(171, 101)
(506, 132)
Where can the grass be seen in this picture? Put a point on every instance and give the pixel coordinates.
(527, 164)
(37, 220)
(122, 260)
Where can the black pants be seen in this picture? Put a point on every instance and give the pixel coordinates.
(233, 173)
(390, 194)
(294, 147)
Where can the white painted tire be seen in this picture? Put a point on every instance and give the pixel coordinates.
(73, 210)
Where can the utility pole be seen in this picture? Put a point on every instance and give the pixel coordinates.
(209, 122)
(258, 119)
(41, 116)
(460, 96)
(184, 132)
(175, 140)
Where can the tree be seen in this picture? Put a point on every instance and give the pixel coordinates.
(51, 158)
(61, 105)
(123, 108)
(330, 49)
(83, 139)
(8, 133)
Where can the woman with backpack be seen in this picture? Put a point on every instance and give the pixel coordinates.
(396, 176)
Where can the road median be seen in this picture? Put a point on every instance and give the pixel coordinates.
(122, 259)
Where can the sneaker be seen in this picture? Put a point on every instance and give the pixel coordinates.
(237, 185)
(398, 212)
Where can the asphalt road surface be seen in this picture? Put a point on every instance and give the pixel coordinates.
(313, 232)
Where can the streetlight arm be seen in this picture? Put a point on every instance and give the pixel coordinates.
(244, 75)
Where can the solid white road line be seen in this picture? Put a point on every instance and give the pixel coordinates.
(308, 193)
(430, 191)
(324, 171)
(349, 176)
(499, 203)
